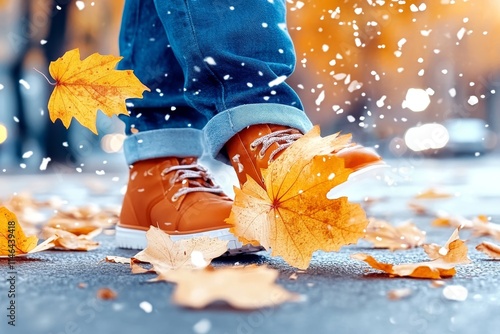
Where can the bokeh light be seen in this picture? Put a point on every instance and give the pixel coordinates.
(416, 100)
(426, 137)
(112, 143)
(3, 133)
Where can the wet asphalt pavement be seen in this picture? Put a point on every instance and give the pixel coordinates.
(56, 290)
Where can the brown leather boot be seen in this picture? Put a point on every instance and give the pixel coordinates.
(255, 147)
(176, 195)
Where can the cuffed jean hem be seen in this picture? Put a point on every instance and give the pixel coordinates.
(226, 124)
(162, 143)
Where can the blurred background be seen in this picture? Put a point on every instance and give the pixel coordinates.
(410, 78)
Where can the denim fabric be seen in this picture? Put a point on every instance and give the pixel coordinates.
(228, 123)
(163, 143)
(203, 58)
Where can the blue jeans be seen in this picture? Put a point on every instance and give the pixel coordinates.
(214, 67)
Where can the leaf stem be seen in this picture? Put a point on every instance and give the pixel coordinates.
(52, 83)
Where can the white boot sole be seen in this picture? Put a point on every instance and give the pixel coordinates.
(136, 239)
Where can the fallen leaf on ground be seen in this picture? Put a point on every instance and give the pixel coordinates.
(419, 209)
(399, 293)
(69, 241)
(384, 235)
(13, 241)
(166, 255)
(246, 288)
(433, 193)
(444, 219)
(490, 249)
(84, 86)
(83, 220)
(293, 217)
(106, 294)
(117, 259)
(453, 254)
(479, 225)
(482, 227)
(435, 251)
(31, 212)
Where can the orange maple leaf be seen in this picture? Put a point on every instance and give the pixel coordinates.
(13, 241)
(83, 87)
(247, 288)
(453, 253)
(293, 217)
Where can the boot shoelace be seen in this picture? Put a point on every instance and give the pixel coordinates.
(284, 138)
(190, 174)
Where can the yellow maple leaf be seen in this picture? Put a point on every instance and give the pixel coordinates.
(166, 255)
(293, 216)
(84, 86)
(12, 238)
(247, 288)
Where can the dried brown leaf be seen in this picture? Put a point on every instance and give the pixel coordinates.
(83, 220)
(435, 251)
(479, 225)
(117, 259)
(490, 249)
(250, 287)
(166, 255)
(68, 241)
(442, 266)
(384, 235)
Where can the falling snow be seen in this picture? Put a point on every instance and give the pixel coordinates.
(321, 98)
(473, 100)
(80, 5)
(24, 83)
(27, 155)
(45, 162)
(277, 81)
(209, 61)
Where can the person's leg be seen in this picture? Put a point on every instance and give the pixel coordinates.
(162, 115)
(236, 56)
(166, 187)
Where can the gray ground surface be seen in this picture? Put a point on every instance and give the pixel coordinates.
(341, 295)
